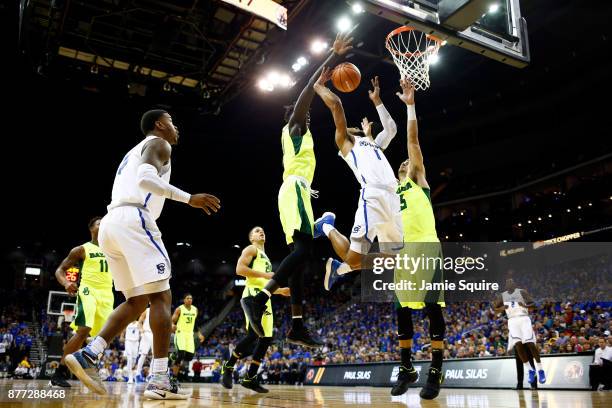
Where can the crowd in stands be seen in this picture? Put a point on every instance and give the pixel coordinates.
(15, 344)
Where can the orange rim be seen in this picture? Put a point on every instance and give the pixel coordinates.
(403, 29)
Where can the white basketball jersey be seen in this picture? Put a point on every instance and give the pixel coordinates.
(512, 301)
(132, 332)
(368, 162)
(125, 186)
(146, 325)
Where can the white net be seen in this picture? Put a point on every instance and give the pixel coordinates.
(413, 52)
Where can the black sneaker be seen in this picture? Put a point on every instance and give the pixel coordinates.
(432, 387)
(253, 384)
(534, 385)
(302, 337)
(519, 386)
(60, 377)
(254, 312)
(227, 374)
(405, 377)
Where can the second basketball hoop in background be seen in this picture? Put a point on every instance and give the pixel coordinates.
(346, 77)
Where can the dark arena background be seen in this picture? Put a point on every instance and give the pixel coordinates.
(515, 134)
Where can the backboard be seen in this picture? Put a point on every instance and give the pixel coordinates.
(492, 28)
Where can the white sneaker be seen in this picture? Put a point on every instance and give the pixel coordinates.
(131, 381)
(164, 387)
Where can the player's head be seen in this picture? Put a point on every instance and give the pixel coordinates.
(289, 112)
(94, 225)
(510, 285)
(187, 299)
(257, 234)
(159, 122)
(402, 172)
(601, 342)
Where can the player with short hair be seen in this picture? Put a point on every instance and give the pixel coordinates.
(94, 293)
(131, 241)
(255, 266)
(295, 209)
(131, 338)
(420, 237)
(184, 320)
(516, 303)
(378, 211)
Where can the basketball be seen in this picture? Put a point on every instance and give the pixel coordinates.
(346, 77)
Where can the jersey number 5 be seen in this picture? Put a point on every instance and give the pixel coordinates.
(403, 203)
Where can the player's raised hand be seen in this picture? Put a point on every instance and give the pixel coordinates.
(207, 202)
(71, 288)
(374, 94)
(407, 95)
(325, 76)
(342, 43)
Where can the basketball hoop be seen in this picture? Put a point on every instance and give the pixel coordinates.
(412, 52)
(68, 315)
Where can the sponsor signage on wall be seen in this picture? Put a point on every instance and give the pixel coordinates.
(569, 371)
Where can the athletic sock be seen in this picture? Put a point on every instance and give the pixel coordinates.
(159, 365)
(297, 323)
(327, 229)
(96, 347)
(406, 355)
(436, 358)
(343, 269)
(527, 367)
(140, 364)
(232, 360)
(253, 368)
(539, 366)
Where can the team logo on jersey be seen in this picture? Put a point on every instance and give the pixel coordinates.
(161, 268)
(356, 229)
(86, 291)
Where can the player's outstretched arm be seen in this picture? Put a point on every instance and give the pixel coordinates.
(242, 267)
(176, 315)
(389, 127)
(75, 255)
(341, 45)
(141, 320)
(155, 155)
(416, 169)
(283, 292)
(344, 141)
(529, 303)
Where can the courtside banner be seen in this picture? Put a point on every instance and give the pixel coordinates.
(568, 371)
(267, 9)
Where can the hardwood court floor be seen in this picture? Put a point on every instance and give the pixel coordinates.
(282, 396)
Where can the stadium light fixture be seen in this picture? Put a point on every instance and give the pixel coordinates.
(520, 225)
(344, 24)
(296, 67)
(549, 215)
(528, 221)
(285, 81)
(493, 8)
(265, 85)
(318, 46)
(32, 270)
(568, 210)
(302, 61)
(273, 77)
(357, 8)
(580, 207)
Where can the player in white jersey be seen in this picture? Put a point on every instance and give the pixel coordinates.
(516, 303)
(132, 337)
(139, 263)
(378, 211)
(146, 342)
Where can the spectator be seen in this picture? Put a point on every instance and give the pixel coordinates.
(600, 372)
